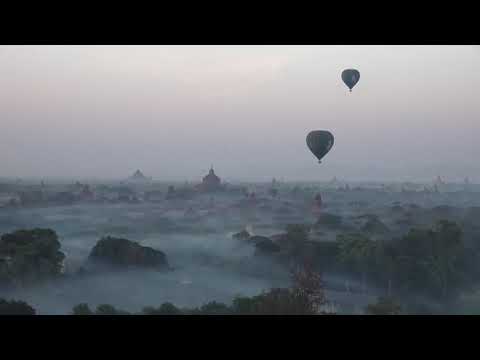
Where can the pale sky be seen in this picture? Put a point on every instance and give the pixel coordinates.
(171, 111)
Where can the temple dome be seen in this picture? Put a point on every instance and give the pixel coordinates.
(211, 178)
(211, 181)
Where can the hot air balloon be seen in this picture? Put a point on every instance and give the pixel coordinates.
(319, 142)
(350, 77)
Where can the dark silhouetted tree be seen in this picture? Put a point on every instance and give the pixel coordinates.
(15, 308)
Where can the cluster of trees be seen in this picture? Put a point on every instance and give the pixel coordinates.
(433, 262)
(274, 302)
(32, 256)
(29, 256)
(122, 253)
(14, 307)
(305, 297)
(384, 306)
(438, 262)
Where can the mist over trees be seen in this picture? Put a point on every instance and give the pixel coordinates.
(372, 248)
(30, 256)
(305, 297)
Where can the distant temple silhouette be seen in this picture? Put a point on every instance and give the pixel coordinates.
(138, 176)
(211, 182)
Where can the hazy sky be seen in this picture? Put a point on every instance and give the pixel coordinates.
(171, 111)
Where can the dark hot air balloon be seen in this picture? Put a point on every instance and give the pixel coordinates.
(350, 77)
(320, 142)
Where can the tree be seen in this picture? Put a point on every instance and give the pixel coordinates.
(276, 301)
(305, 297)
(280, 301)
(243, 305)
(82, 309)
(30, 256)
(107, 309)
(164, 309)
(15, 308)
(297, 232)
(447, 250)
(273, 192)
(297, 237)
(374, 225)
(432, 259)
(386, 260)
(384, 306)
(357, 253)
(102, 309)
(120, 252)
(215, 308)
(308, 288)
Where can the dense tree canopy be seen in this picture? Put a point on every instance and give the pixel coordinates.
(15, 308)
(384, 306)
(305, 297)
(430, 261)
(28, 256)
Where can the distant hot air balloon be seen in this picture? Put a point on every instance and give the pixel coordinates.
(320, 142)
(350, 77)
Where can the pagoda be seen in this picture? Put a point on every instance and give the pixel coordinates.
(211, 182)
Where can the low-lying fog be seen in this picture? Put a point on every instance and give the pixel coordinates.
(208, 264)
(207, 267)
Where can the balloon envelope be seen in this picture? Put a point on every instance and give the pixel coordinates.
(320, 142)
(350, 77)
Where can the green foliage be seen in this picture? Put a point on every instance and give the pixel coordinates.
(215, 308)
(296, 240)
(297, 233)
(28, 256)
(273, 192)
(106, 309)
(164, 309)
(243, 305)
(384, 306)
(428, 261)
(37, 241)
(373, 225)
(304, 298)
(82, 309)
(307, 288)
(432, 259)
(122, 252)
(277, 301)
(15, 308)
(356, 251)
(103, 309)
(325, 254)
